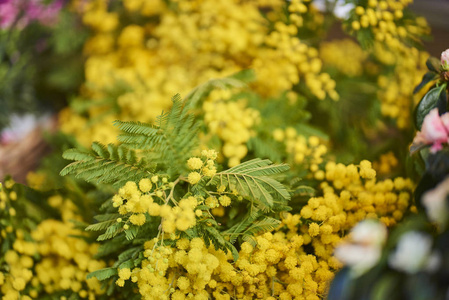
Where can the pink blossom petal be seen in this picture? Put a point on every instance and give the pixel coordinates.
(8, 14)
(445, 58)
(436, 147)
(445, 120)
(433, 128)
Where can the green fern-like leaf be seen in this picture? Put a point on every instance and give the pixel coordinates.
(264, 147)
(212, 234)
(250, 239)
(111, 232)
(131, 233)
(235, 231)
(102, 274)
(100, 226)
(304, 190)
(105, 221)
(169, 142)
(252, 180)
(262, 226)
(129, 254)
(107, 164)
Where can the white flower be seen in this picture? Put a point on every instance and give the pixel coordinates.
(445, 58)
(360, 258)
(341, 9)
(435, 202)
(364, 247)
(413, 253)
(369, 232)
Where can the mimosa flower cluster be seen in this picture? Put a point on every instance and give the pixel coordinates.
(232, 121)
(345, 55)
(307, 152)
(350, 194)
(48, 260)
(136, 204)
(396, 90)
(386, 19)
(278, 265)
(187, 46)
(203, 167)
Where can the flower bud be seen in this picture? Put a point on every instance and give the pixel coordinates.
(445, 59)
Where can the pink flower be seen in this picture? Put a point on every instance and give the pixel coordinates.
(434, 131)
(8, 13)
(46, 14)
(445, 58)
(21, 12)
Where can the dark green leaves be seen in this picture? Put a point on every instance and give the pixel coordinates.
(433, 64)
(429, 102)
(428, 77)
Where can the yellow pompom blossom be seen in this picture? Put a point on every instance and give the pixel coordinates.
(307, 152)
(145, 185)
(205, 165)
(224, 200)
(138, 204)
(212, 202)
(350, 194)
(173, 50)
(137, 219)
(209, 154)
(277, 266)
(232, 121)
(181, 217)
(383, 18)
(392, 32)
(74, 259)
(386, 163)
(194, 177)
(50, 259)
(3, 198)
(194, 163)
(294, 261)
(36, 180)
(366, 170)
(396, 89)
(344, 55)
(19, 273)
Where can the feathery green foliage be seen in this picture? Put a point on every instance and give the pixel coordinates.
(163, 149)
(102, 274)
(169, 142)
(107, 164)
(264, 225)
(253, 180)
